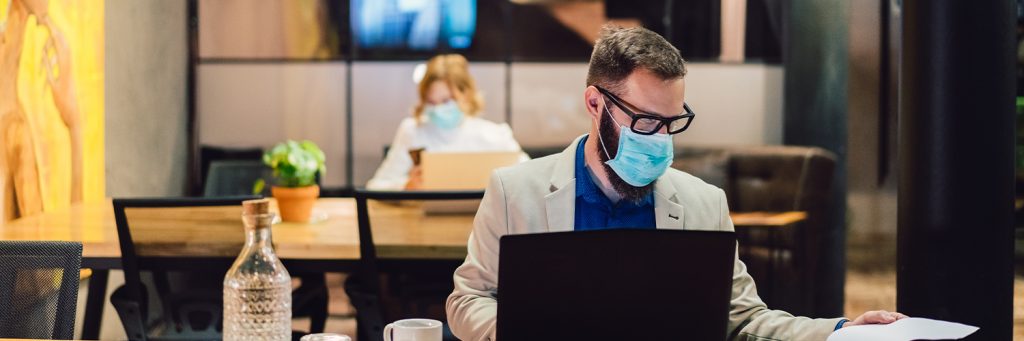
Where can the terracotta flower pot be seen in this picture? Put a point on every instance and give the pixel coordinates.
(295, 203)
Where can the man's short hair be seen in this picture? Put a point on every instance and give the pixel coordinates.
(620, 51)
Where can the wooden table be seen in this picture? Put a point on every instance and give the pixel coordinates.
(767, 219)
(332, 244)
(400, 231)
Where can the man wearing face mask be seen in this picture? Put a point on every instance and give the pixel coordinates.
(446, 119)
(617, 176)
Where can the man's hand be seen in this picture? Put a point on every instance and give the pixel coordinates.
(875, 317)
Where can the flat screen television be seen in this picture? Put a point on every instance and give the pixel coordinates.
(388, 29)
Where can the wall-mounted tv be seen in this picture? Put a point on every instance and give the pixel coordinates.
(405, 28)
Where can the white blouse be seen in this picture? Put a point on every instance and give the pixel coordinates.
(474, 134)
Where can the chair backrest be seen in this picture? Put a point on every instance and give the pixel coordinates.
(780, 178)
(39, 289)
(367, 249)
(236, 177)
(208, 154)
(707, 163)
(202, 228)
(764, 178)
(367, 303)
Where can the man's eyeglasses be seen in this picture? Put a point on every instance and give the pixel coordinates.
(648, 124)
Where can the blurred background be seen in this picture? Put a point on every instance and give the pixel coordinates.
(796, 100)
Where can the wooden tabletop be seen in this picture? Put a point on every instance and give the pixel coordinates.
(399, 230)
(767, 219)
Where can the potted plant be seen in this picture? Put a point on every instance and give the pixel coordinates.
(295, 165)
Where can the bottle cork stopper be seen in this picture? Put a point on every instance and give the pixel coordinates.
(258, 206)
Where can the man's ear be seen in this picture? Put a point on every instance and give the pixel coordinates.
(590, 99)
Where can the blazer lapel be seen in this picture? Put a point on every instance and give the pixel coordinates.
(560, 204)
(668, 213)
(561, 209)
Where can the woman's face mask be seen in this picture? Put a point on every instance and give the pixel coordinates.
(640, 159)
(445, 116)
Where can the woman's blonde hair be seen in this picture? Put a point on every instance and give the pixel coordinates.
(452, 69)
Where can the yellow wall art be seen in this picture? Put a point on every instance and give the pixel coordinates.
(51, 105)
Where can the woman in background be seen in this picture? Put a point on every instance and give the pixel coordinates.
(444, 120)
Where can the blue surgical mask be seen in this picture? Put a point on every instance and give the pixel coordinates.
(640, 159)
(446, 116)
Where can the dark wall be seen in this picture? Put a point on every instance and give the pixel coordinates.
(814, 109)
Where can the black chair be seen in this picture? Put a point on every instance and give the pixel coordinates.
(196, 311)
(236, 177)
(39, 289)
(233, 182)
(365, 287)
(208, 154)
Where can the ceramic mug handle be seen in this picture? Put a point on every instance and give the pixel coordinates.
(387, 331)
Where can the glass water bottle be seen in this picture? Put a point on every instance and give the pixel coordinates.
(257, 289)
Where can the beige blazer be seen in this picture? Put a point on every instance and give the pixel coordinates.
(540, 196)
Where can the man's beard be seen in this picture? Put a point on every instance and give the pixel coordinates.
(611, 144)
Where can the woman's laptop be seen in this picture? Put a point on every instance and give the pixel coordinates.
(615, 285)
(462, 170)
(447, 171)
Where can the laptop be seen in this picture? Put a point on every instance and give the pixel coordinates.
(447, 171)
(615, 285)
(462, 170)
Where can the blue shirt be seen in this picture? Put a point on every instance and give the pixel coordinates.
(594, 211)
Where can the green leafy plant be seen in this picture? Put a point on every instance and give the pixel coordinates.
(295, 164)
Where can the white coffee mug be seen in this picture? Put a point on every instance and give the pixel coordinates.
(325, 337)
(413, 330)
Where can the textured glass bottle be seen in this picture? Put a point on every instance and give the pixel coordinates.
(257, 289)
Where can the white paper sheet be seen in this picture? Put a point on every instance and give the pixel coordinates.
(911, 328)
